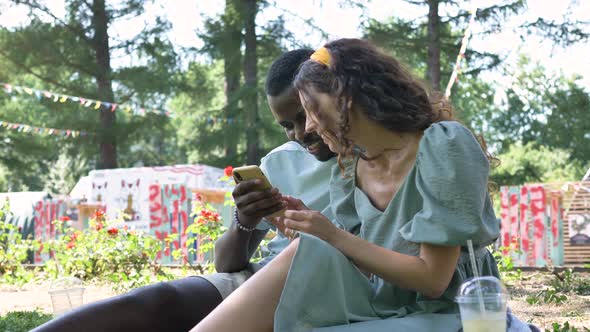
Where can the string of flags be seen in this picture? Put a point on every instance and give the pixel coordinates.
(24, 128)
(461, 55)
(86, 102)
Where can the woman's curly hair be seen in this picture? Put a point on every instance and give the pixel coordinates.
(385, 91)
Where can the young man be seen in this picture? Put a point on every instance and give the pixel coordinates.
(300, 168)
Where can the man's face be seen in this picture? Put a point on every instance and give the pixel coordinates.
(288, 112)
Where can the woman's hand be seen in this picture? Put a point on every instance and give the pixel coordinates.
(291, 204)
(313, 223)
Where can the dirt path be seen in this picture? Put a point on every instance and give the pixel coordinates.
(36, 296)
(575, 310)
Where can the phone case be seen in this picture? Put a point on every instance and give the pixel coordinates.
(252, 172)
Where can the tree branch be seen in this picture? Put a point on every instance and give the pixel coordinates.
(417, 3)
(77, 32)
(87, 4)
(43, 78)
(308, 21)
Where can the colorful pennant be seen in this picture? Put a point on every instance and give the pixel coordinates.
(457, 69)
(24, 128)
(89, 103)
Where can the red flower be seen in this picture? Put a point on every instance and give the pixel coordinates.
(98, 215)
(201, 221)
(228, 171)
(99, 226)
(64, 218)
(75, 236)
(126, 227)
(215, 216)
(198, 197)
(113, 231)
(71, 245)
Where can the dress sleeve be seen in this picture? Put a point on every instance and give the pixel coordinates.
(452, 177)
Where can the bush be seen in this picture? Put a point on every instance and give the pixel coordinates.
(506, 264)
(565, 328)
(22, 321)
(547, 296)
(13, 251)
(122, 256)
(568, 282)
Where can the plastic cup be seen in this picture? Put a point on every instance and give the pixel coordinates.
(482, 303)
(66, 294)
(65, 300)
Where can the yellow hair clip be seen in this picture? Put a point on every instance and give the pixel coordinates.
(322, 56)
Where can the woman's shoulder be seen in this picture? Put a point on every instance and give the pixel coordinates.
(444, 132)
(448, 142)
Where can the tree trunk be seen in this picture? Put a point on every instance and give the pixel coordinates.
(232, 60)
(433, 65)
(250, 78)
(100, 24)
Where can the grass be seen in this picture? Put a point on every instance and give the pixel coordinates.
(22, 321)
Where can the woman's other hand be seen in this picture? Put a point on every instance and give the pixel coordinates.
(294, 203)
(313, 223)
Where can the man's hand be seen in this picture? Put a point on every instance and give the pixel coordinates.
(253, 205)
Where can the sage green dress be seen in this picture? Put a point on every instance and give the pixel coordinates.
(443, 201)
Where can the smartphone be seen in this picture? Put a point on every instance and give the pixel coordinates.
(253, 172)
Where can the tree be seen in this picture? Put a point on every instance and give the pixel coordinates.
(436, 36)
(237, 120)
(529, 163)
(223, 39)
(250, 78)
(85, 51)
(544, 109)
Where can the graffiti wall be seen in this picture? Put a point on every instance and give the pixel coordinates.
(531, 226)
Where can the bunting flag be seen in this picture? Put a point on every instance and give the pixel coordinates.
(24, 128)
(457, 69)
(88, 103)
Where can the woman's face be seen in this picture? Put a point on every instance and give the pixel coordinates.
(322, 117)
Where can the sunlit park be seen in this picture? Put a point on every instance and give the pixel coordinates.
(310, 165)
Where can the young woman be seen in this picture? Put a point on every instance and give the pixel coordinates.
(419, 186)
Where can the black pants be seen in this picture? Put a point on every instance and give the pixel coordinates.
(167, 306)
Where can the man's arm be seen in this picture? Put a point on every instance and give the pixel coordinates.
(234, 248)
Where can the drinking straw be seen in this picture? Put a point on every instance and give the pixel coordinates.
(482, 308)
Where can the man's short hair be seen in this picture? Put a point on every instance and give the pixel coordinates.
(283, 70)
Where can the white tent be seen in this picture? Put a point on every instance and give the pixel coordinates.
(82, 189)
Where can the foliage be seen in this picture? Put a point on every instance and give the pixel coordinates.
(547, 296)
(209, 227)
(565, 328)
(531, 163)
(506, 264)
(546, 109)
(13, 251)
(64, 173)
(68, 56)
(568, 281)
(102, 251)
(23, 321)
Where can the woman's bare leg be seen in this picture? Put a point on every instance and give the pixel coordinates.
(252, 306)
